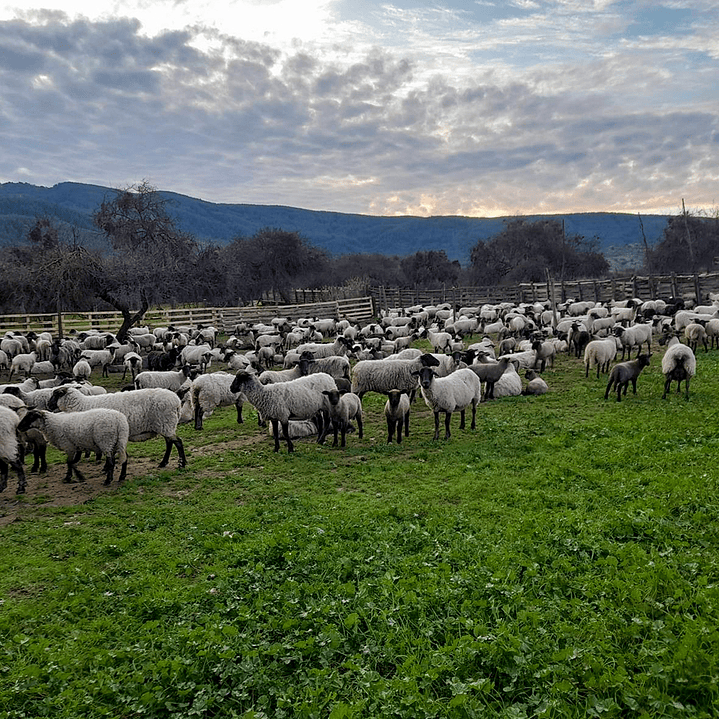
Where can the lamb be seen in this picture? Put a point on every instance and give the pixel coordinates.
(22, 363)
(383, 375)
(133, 362)
(490, 372)
(342, 408)
(149, 412)
(695, 332)
(396, 411)
(104, 431)
(210, 391)
(300, 398)
(545, 352)
(601, 353)
(624, 373)
(450, 394)
(10, 450)
(82, 370)
(678, 364)
(31, 439)
(536, 385)
(171, 380)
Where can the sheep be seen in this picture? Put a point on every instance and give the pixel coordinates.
(339, 347)
(4, 360)
(162, 361)
(82, 370)
(712, 330)
(342, 408)
(440, 341)
(490, 372)
(31, 439)
(99, 358)
(44, 367)
(545, 352)
(536, 385)
(396, 412)
(624, 373)
(209, 391)
(200, 355)
(601, 353)
(171, 380)
(678, 364)
(22, 363)
(133, 362)
(150, 412)
(634, 336)
(695, 332)
(382, 376)
(104, 431)
(450, 394)
(10, 450)
(299, 398)
(578, 338)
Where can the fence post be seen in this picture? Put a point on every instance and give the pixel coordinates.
(697, 289)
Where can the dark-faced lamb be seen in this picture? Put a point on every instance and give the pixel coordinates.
(679, 364)
(624, 373)
(278, 403)
(342, 409)
(450, 394)
(490, 372)
(150, 413)
(104, 431)
(396, 412)
(10, 450)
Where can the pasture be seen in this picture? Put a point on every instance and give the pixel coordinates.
(562, 560)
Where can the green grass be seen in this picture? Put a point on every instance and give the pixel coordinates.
(560, 561)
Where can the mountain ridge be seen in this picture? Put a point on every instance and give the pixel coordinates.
(619, 235)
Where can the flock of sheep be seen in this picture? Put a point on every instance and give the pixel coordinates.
(327, 367)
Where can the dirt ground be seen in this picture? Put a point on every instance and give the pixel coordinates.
(48, 490)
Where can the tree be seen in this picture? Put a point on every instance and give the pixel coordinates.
(150, 257)
(524, 250)
(430, 269)
(690, 243)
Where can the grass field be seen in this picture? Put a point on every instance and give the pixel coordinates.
(562, 560)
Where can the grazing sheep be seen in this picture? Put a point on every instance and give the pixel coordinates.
(10, 449)
(82, 370)
(278, 403)
(384, 375)
(624, 373)
(104, 431)
(342, 408)
(678, 365)
(396, 411)
(536, 385)
(210, 391)
(450, 394)
(601, 353)
(149, 412)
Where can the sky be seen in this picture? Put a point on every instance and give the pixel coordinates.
(458, 107)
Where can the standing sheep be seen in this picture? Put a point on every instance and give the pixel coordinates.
(342, 408)
(678, 365)
(10, 450)
(149, 412)
(396, 412)
(104, 431)
(383, 375)
(601, 353)
(624, 373)
(450, 394)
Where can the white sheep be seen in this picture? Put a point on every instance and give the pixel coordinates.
(634, 336)
(208, 392)
(299, 398)
(22, 363)
(200, 355)
(172, 379)
(450, 394)
(342, 409)
(396, 412)
(600, 352)
(104, 431)
(99, 358)
(384, 375)
(694, 333)
(82, 370)
(149, 412)
(678, 365)
(10, 449)
(535, 385)
(339, 347)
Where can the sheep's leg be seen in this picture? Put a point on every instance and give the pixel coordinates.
(3, 474)
(686, 387)
(123, 471)
(276, 433)
(406, 425)
(198, 416)
(634, 385)
(238, 406)
(447, 418)
(667, 386)
(436, 425)
(461, 419)
(21, 481)
(109, 470)
(359, 425)
(343, 432)
(72, 461)
(474, 416)
(39, 458)
(286, 437)
(390, 431)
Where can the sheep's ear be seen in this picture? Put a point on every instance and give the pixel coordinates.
(326, 392)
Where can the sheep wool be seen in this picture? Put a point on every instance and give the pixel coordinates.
(10, 449)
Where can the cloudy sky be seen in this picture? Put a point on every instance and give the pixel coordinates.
(469, 107)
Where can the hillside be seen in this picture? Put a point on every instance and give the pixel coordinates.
(72, 204)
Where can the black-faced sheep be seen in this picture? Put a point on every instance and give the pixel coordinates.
(342, 409)
(396, 412)
(624, 373)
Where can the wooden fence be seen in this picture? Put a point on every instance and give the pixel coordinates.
(359, 309)
(690, 287)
